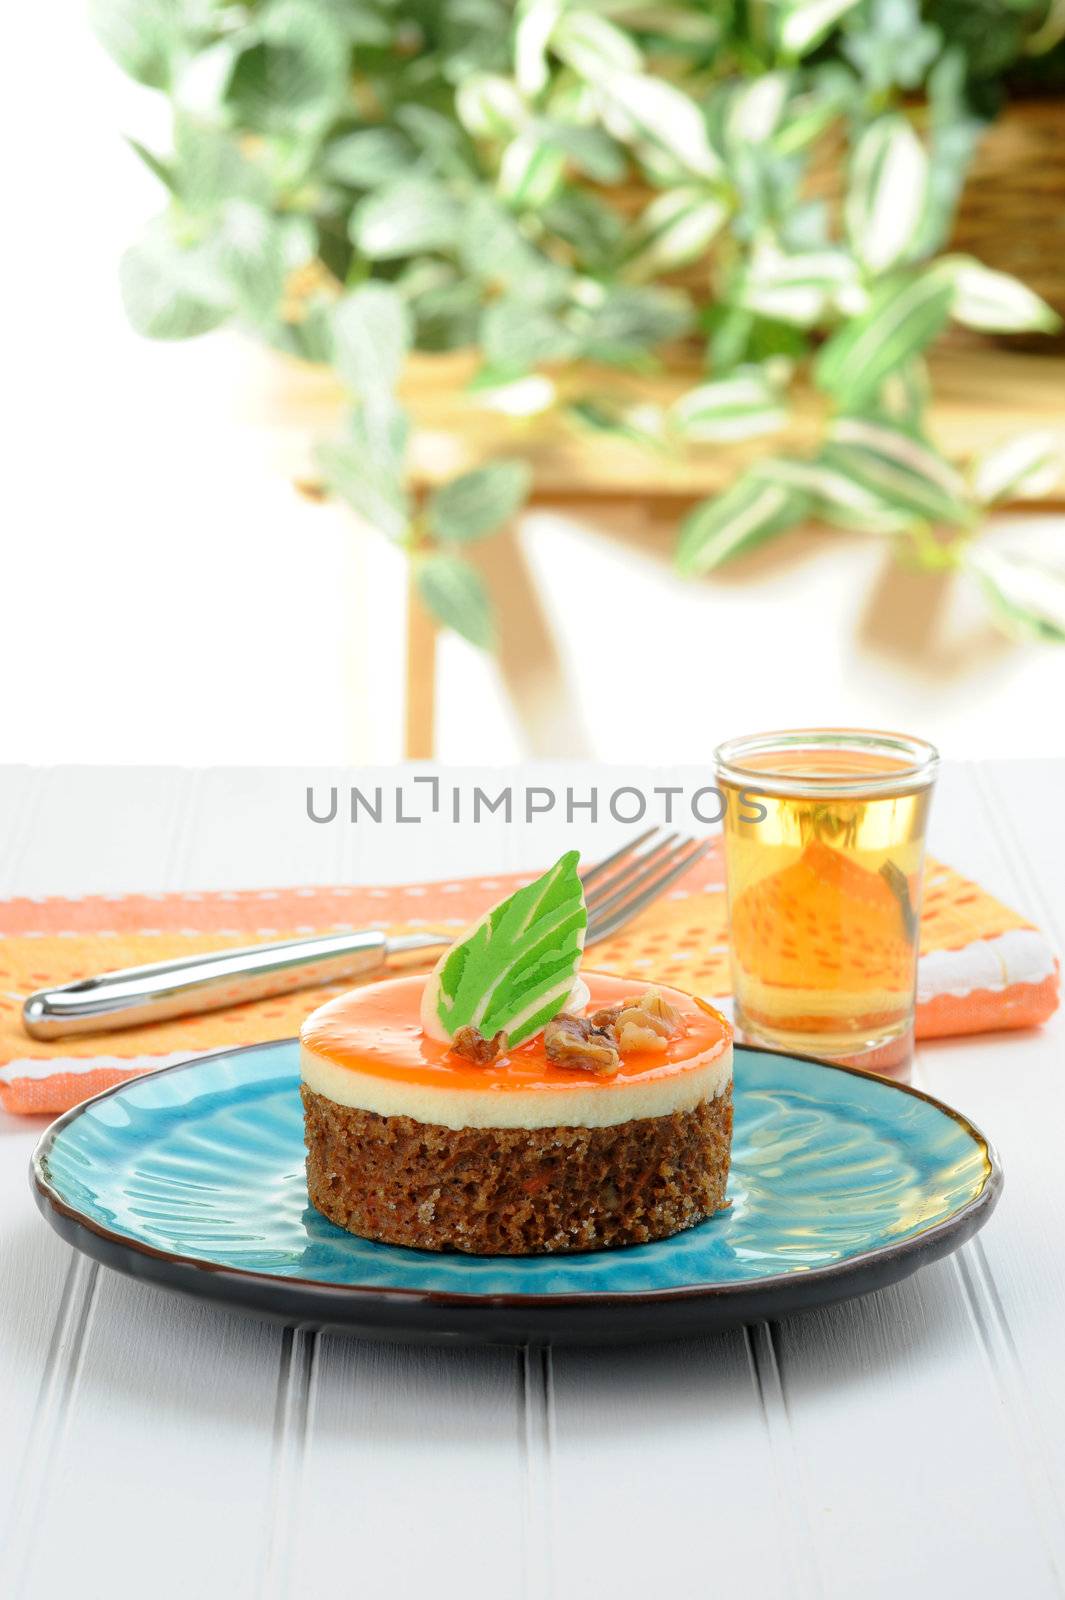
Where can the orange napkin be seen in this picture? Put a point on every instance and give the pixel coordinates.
(981, 967)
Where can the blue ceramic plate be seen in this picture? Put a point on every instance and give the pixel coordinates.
(193, 1178)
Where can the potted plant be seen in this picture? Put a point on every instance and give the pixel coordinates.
(760, 197)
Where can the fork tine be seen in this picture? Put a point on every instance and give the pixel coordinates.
(608, 861)
(602, 926)
(627, 882)
(656, 855)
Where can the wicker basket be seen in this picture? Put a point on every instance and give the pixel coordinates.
(1012, 211)
(1012, 215)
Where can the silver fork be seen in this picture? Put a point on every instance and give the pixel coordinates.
(616, 890)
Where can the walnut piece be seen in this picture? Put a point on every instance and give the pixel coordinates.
(607, 1017)
(647, 1022)
(595, 1043)
(472, 1045)
(576, 1042)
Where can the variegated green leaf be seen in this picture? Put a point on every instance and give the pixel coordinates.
(797, 288)
(756, 107)
(741, 406)
(531, 171)
(477, 503)
(591, 150)
(676, 228)
(201, 80)
(526, 396)
(574, 101)
(494, 248)
(588, 228)
(993, 302)
(359, 475)
(293, 76)
(516, 336)
(368, 158)
(622, 322)
(210, 167)
(906, 394)
(904, 471)
(445, 303)
(892, 48)
(489, 106)
(643, 425)
(371, 337)
(903, 317)
(455, 594)
(249, 248)
(1025, 467)
(146, 41)
(808, 115)
(834, 495)
(594, 47)
(159, 168)
(171, 293)
(655, 113)
(404, 218)
(536, 21)
(444, 148)
(886, 192)
(804, 23)
(1026, 595)
(746, 515)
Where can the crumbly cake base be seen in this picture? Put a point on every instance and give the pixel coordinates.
(516, 1191)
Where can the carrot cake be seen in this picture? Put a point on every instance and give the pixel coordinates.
(509, 1106)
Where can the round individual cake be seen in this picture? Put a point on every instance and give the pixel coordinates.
(610, 1124)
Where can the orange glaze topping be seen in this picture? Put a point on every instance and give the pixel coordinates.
(376, 1030)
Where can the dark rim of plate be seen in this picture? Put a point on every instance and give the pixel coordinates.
(964, 1219)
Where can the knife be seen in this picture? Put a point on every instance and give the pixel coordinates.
(134, 995)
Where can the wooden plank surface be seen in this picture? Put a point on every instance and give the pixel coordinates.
(983, 395)
(911, 1442)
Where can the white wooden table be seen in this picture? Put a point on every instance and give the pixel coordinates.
(908, 1444)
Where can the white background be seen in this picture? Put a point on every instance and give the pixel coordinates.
(169, 596)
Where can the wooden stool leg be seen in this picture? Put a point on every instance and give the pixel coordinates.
(419, 730)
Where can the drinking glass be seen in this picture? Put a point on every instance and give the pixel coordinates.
(824, 833)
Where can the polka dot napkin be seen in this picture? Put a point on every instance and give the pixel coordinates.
(982, 966)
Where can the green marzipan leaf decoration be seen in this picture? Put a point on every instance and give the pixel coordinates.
(516, 970)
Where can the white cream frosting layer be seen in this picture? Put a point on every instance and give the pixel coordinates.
(585, 1104)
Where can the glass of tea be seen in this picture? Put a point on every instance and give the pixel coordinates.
(824, 848)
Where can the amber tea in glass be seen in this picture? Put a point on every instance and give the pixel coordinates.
(824, 834)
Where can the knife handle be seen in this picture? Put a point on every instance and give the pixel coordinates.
(190, 984)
